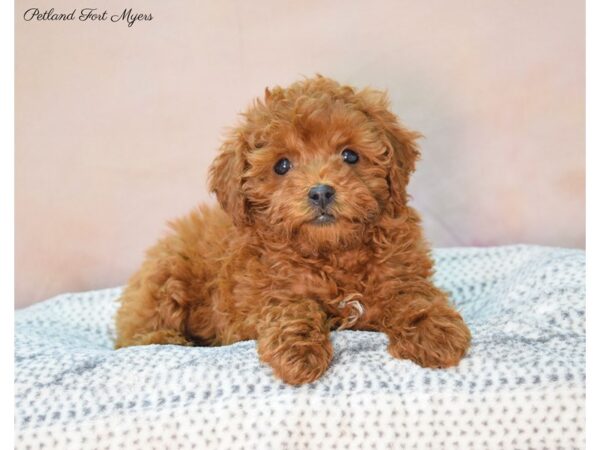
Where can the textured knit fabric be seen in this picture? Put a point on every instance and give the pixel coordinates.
(522, 384)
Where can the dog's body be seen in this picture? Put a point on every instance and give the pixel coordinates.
(314, 233)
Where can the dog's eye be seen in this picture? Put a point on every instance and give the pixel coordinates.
(282, 166)
(350, 156)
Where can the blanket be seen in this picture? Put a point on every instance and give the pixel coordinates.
(522, 384)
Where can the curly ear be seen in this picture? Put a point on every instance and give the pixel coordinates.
(226, 179)
(403, 149)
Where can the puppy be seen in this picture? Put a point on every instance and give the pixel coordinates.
(313, 234)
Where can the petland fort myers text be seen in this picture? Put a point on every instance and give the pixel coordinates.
(87, 15)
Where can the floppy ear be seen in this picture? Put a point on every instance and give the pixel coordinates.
(226, 179)
(401, 142)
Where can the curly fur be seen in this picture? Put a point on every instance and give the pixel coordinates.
(257, 267)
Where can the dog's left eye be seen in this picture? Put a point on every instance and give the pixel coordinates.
(350, 156)
(282, 166)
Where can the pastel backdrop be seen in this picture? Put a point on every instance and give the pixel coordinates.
(116, 125)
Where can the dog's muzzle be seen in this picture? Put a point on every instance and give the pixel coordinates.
(321, 196)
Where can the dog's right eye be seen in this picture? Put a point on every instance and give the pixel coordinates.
(282, 166)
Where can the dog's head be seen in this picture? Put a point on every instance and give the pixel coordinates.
(317, 162)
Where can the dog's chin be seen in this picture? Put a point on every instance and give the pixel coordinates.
(327, 231)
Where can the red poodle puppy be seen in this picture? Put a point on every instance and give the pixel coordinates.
(313, 234)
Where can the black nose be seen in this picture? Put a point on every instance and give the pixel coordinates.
(321, 195)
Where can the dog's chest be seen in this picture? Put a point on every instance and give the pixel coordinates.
(332, 279)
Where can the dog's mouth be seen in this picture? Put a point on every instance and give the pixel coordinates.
(323, 218)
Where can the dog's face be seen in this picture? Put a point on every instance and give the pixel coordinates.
(317, 162)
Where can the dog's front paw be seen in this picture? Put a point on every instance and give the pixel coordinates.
(440, 339)
(297, 362)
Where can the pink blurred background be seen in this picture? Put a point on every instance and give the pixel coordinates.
(116, 126)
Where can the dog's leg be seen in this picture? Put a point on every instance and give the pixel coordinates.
(293, 338)
(153, 309)
(423, 327)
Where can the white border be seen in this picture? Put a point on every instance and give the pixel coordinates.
(7, 228)
(592, 221)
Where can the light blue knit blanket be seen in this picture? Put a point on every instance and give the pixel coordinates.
(522, 385)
